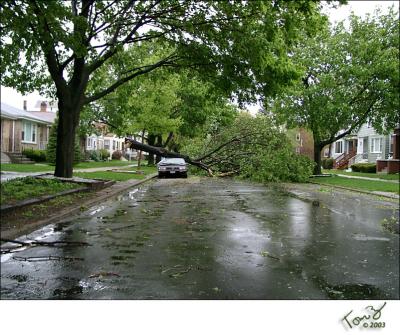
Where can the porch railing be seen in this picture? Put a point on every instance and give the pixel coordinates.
(342, 162)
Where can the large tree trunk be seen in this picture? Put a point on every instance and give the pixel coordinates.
(159, 144)
(317, 158)
(66, 129)
(151, 141)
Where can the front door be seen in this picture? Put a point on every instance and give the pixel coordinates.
(365, 148)
(360, 147)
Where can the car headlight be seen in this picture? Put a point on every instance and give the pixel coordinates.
(182, 168)
(162, 168)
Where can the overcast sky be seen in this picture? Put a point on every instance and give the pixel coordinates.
(360, 8)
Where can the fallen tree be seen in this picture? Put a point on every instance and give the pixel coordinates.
(250, 147)
(161, 151)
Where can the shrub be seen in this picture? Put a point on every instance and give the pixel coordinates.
(52, 145)
(116, 155)
(327, 163)
(364, 167)
(35, 155)
(94, 155)
(104, 154)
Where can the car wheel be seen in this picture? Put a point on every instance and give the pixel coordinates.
(184, 175)
(160, 175)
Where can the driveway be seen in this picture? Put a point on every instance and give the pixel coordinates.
(205, 238)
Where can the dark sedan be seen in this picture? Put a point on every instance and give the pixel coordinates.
(172, 167)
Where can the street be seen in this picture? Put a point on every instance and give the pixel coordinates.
(205, 238)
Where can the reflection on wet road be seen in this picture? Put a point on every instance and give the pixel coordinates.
(210, 239)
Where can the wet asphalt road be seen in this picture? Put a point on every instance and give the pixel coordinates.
(212, 239)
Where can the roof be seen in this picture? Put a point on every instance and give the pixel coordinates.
(47, 116)
(13, 113)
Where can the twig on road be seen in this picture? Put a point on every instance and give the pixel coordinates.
(47, 258)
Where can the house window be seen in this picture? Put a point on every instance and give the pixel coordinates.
(89, 142)
(326, 152)
(376, 145)
(339, 147)
(113, 147)
(391, 144)
(29, 132)
(107, 144)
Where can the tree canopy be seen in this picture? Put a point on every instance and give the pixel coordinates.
(351, 76)
(61, 45)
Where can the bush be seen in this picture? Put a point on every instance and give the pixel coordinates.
(52, 146)
(327, 163)
(35, 155)
(364, 167)
(93, 155)
(104, 154)
(116, 155)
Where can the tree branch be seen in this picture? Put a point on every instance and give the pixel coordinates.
(121, 81)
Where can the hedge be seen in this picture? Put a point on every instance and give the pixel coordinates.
(35, 155)
(327, 163)
(364, 167)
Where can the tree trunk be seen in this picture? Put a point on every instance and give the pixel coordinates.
(65, 140)
(151, 141)
(159, 144)
(140, 151)
(317, 158)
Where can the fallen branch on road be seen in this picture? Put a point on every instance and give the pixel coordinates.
(47, 258)
(47, 244)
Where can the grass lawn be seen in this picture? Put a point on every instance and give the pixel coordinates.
(26, 167)
(117, 176)
(45, 167)
(359, 184)
(26, 188)
(363, 174)
(89, 165)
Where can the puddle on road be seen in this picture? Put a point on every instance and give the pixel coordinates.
(214, 239)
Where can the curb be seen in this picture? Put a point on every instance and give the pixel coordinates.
(68, 212)
(394, 197)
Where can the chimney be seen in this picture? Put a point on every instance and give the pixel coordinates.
(25, 105)
(43, 106)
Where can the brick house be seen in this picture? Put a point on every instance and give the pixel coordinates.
(21, 129)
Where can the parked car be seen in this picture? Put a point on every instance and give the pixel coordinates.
(172, 167)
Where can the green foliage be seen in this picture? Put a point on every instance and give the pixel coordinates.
(364, 167)
(93, 155)
(30, 187)
(351, 76)
(327, 163)
(35, 155)
(52, 145)
(254, 148)
(60, 47)
(104, 154)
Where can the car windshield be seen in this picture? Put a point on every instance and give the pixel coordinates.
(172, 161)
